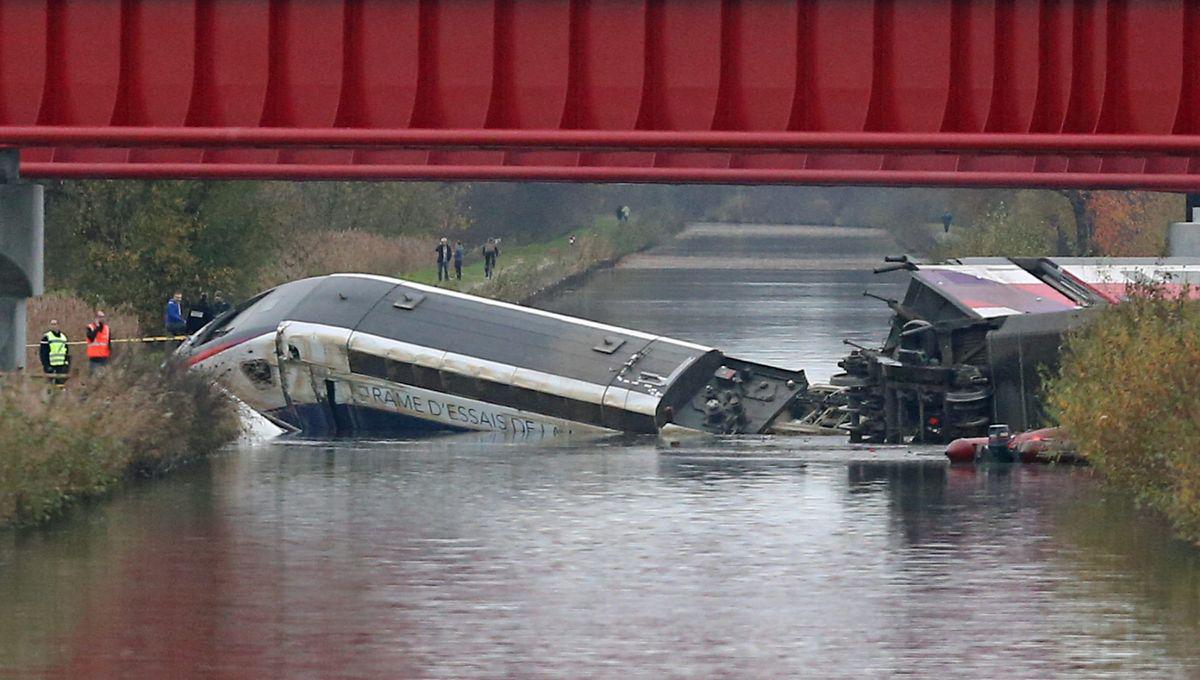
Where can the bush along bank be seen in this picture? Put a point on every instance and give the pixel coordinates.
(525, 272)
(1128, 392)
(62, 446)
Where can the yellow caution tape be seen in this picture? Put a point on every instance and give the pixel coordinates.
(153, 338)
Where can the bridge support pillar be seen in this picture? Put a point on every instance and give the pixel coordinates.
(1190, 212)
(21, 256)
(1183, 238)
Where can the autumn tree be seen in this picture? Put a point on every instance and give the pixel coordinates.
(1020, 223)
(132, 243)
(1082, 217)
(1132, 223)
(386, 209)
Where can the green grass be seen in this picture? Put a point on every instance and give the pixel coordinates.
(474, 270)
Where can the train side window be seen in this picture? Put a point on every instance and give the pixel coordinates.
(401, 372)
(428, 378)
(582, 411)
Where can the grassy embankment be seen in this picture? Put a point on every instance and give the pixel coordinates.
(1127, 392)
(525, 270)
(62, 446)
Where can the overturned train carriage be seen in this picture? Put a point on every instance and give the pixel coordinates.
(359, 355)
(971, 339)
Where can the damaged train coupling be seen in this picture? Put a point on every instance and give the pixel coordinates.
(890, 398)
(968, 344)
(907, 388)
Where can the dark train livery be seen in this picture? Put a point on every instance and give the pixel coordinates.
(362, 355)
(971, 338)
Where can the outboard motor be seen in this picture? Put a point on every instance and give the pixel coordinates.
(997, 444)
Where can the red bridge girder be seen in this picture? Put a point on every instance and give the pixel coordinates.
(1091, 93)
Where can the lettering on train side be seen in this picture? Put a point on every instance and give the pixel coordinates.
(450, 411)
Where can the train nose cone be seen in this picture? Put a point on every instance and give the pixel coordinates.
(181, 354)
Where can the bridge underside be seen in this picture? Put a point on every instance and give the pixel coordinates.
(1090, 93)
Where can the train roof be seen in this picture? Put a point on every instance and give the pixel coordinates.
(485, 329)
(1113, 278)
(993, 287)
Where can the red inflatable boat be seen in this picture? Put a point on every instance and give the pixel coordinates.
(1047, 445)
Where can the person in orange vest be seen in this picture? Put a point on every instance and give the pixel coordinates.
(99, 343)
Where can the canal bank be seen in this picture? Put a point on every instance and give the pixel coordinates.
(528, 272)
(69, 445)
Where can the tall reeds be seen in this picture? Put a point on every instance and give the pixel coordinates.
(75, 314)
(1128, 392)
(315, 253)
(63, 445)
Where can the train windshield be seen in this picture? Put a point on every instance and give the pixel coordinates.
(260, 314)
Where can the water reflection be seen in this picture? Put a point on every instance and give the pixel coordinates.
(716, 470)
(1128, 556)
(460, 558)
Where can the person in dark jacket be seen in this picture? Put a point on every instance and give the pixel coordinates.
(458, 256)
(490, 251)
(55, 353)
(444, 253)
(199, 315)
(219, 305)
(173, 319)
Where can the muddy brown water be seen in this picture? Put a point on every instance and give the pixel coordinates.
(477, 556)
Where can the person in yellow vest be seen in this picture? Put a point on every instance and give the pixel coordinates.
(55, 354)
(99, 343)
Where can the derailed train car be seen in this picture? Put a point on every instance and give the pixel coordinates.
(361, 355)
(971, 339)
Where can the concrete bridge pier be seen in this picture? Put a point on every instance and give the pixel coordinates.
(21, 256)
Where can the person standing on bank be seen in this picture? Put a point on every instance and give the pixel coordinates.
(99, 343)
(199, 315)
(443, 259)
(55, 353)
(490, 251)
(173, 319)
(458, 256)
(219, 306)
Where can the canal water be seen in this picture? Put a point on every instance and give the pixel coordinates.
(477, 556)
